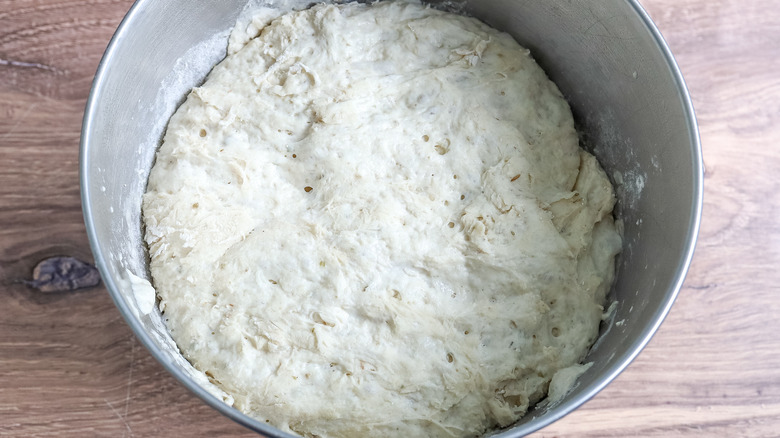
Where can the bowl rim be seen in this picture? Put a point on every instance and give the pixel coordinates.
(536, 423)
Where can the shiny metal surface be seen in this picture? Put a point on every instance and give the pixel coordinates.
(627, 95)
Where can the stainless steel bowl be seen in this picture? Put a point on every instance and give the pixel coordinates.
(607, 57)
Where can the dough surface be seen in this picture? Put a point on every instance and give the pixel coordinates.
(377, 220)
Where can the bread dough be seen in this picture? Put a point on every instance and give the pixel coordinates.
(376, 220)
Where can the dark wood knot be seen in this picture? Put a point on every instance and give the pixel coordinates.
(63, 274)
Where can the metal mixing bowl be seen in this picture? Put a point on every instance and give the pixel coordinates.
(608, 59)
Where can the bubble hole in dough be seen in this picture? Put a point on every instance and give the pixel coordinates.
(377, 220)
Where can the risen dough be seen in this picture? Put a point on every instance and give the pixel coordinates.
(376, 220)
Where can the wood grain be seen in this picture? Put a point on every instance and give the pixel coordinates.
(69, 365)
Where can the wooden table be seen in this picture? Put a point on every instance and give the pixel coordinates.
(70, 366)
